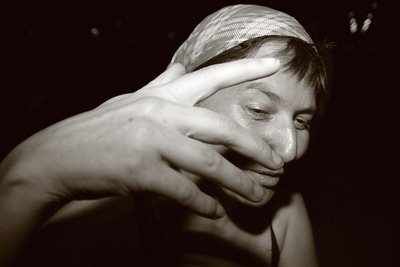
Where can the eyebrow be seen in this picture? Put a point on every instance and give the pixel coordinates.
(276, 98)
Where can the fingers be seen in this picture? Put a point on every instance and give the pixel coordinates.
(188, 89)
(200, 159)
(213, 128)
(173, 72)
(198, 85)
(178, 188)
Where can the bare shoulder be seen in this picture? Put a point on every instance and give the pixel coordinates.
(294, 233)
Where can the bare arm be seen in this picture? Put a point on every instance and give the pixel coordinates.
(131, 143)
(21, 211)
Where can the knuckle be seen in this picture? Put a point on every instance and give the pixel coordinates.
(210, 159)
(186, 193)
(149, 106)
(243, 184)
(243, 181)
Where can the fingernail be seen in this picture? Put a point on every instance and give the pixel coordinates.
(276, 159)
(270, 61)
(259, 191)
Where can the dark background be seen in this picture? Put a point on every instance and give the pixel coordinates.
(53, 66)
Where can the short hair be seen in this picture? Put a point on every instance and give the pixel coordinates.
(302, 58)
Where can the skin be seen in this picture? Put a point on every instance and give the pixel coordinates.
(47, 170)
(84, 157)
(279, 109)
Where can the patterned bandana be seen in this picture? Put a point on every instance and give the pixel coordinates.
(231, 26)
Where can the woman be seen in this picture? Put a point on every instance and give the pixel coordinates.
(279, 109)
(165, 150)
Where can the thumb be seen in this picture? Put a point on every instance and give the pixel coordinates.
(170, 74)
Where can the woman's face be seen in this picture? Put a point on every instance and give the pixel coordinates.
(277, 108)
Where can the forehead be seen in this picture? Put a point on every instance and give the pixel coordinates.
(284, 89)
(273, 48)
(284, 83)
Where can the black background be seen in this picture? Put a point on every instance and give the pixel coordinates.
(52, 67)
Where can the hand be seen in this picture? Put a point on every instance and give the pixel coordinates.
(141, 141)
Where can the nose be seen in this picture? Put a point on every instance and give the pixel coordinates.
(281, 136)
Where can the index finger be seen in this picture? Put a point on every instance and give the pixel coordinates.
(196, 86)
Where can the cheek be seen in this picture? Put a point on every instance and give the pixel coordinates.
(303, 138)
(239, 115)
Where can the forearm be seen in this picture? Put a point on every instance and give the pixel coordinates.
(22, 209)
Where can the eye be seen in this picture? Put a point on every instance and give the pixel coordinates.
(302, 124)
(257, 114)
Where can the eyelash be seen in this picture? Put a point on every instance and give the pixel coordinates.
(303, 124)
(259, 114)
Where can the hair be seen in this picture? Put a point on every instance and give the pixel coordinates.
(301, 58)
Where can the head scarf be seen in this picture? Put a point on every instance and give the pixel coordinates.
(231, 26)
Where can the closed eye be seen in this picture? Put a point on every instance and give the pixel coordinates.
(257, 114)
(302, 124)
